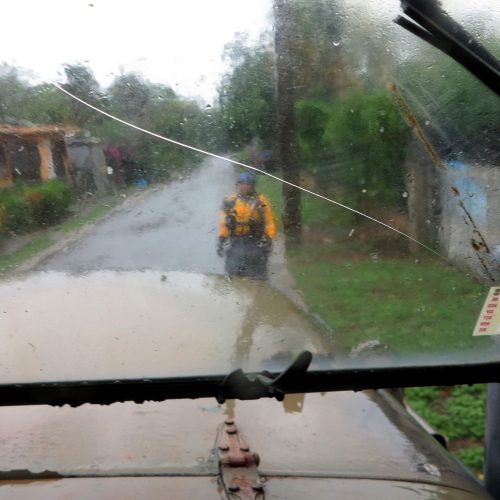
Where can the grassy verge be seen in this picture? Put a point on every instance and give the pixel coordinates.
(25, 253)
(410, 305)
(92, 215)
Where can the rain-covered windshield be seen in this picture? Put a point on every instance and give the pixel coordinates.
(191, 187)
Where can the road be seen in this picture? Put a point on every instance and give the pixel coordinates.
(172, 229)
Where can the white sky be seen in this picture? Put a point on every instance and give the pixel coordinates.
(177, 42)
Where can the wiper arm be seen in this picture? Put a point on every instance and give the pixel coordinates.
(425, 19)
(238, 385)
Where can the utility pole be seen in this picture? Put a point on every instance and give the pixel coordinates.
(287, 143)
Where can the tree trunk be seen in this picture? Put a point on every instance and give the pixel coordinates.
(287, 144)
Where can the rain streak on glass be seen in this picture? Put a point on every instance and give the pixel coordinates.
(303, 175)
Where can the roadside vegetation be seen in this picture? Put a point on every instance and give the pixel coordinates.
(26, 207)
(408, 304)
(458, 413)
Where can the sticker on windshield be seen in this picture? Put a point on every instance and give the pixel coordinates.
(489, 319)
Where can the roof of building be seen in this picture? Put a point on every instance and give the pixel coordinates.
(35, 130)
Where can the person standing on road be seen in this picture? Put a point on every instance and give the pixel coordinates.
(247, 230)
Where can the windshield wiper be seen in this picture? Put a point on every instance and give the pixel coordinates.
(294, 379)
(427, 20)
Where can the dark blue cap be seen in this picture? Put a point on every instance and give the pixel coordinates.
(246, 178)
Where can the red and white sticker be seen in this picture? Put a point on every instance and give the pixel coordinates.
(488, 322)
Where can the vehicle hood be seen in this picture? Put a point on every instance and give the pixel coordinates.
(355, 439)
(103, 325)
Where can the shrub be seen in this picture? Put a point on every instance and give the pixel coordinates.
(15, 208)
(49, 202)
(25, 207)
(357, 142)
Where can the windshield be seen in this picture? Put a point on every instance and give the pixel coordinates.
(187, 188)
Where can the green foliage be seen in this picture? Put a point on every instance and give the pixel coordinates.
(389, 300)
(46, 104)
(472, 456)
(49, 202)
(315, 212)
(357, 142)
(13, 92)
(81, 82)
(157, 108)
(15, 210)
(460, 113)
(458, 413)
(247, 96)
(25, 207)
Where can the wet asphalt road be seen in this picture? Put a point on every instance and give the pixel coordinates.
(172, 229)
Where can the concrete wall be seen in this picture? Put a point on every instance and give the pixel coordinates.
(470, 215)
(89, 164)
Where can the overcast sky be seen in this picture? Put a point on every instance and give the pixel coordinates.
(169, 41)
(178, 42)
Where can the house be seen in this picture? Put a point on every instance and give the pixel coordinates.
(34, 152)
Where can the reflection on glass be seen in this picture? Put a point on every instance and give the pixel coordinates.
(294, 403)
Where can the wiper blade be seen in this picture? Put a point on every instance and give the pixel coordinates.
(428, 21)
(295, 379)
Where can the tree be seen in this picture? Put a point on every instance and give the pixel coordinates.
(287, 146)
(247, 95)
(46, 104)
(128, 96)
(157, 108)
(81, 82)
(14, 92)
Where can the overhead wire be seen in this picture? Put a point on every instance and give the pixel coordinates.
(244, 165)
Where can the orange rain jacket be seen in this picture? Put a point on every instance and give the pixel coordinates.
(246, 215)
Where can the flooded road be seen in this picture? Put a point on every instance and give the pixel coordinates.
(143, 291)
(172, 229)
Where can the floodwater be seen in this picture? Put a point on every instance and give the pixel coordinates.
(172, 229)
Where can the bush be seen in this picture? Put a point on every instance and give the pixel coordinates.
(26, 207)
(16, 216)
(49, 202)
(357, 142)
(473, 457)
